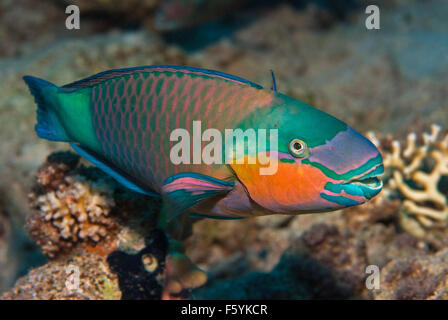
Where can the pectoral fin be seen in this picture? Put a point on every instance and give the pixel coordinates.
(184, 190)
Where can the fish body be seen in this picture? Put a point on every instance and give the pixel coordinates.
(123, 121)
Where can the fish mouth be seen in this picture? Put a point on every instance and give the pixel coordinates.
(369, 182)
(371, 179)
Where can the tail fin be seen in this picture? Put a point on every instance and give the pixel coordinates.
(45, 95)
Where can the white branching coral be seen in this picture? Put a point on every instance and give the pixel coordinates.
(414, 173)
(78, 209)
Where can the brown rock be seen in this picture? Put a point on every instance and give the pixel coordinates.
(415, 278)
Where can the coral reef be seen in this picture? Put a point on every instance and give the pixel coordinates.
(415, 278)
(417, 174)
(89, 274)
(329, 262)
(83, 218)
(314, 58)
(70, 208)
(49, 282)
(80, 211)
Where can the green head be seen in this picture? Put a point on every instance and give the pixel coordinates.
(323, 164)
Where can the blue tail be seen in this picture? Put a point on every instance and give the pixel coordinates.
(45, 95)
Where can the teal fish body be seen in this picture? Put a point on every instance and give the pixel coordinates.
(123, 121)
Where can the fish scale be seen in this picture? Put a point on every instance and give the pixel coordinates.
(162, 97)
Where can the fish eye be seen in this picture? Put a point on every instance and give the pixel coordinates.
(298, 148)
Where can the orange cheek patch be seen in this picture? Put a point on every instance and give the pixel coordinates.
(294, 185)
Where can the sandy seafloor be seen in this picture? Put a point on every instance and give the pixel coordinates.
(392, 80)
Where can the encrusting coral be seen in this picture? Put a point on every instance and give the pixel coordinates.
(70, 208)
(416, 173)
(78, 210)
(49, 282)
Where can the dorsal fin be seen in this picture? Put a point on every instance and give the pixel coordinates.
(110, 74)
(274, 84)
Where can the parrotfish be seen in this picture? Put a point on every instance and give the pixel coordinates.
(122, 121)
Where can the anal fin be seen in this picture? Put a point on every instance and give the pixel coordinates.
(115, 172)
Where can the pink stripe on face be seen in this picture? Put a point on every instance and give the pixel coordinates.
(356, 198)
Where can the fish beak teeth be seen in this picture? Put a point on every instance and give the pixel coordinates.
(370, 182)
